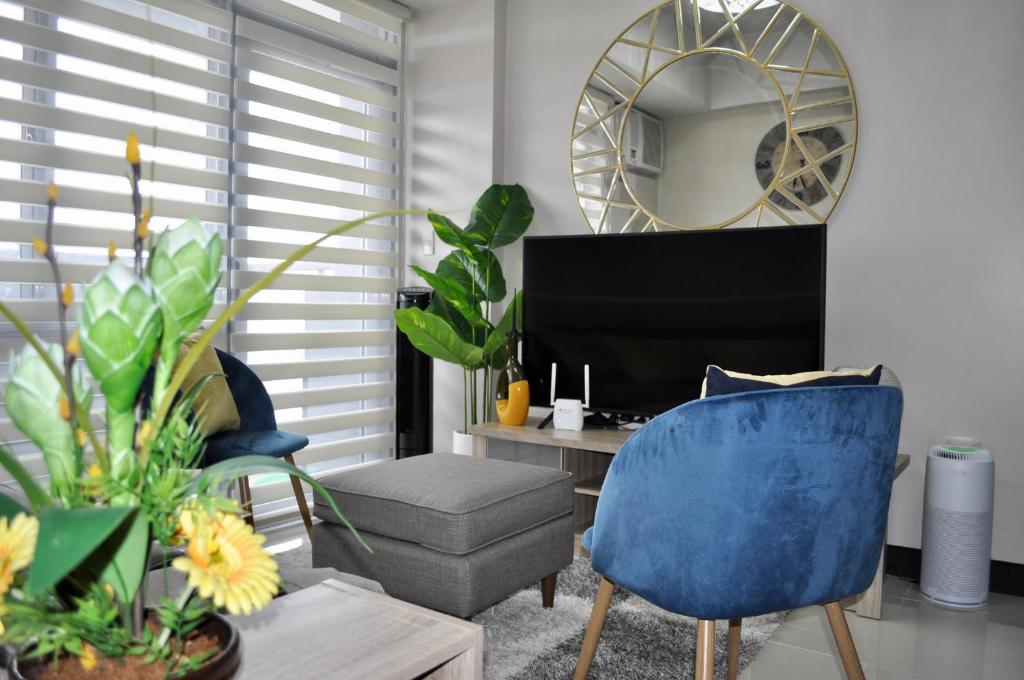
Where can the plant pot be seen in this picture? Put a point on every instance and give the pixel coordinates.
(222, 666)
(462, 443)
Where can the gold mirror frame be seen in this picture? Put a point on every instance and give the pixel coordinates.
(697, 43)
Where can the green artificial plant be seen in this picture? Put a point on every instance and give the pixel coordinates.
(456, 326)
(73, 559)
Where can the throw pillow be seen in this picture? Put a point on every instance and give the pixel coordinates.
(214, 404)
(719, 381)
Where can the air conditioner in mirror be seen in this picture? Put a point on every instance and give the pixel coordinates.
(642, 143)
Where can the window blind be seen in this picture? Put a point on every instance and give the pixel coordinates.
(272, 121)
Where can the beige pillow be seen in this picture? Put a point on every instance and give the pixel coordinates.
(214, 406)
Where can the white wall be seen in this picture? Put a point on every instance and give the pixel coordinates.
(926, 249)
(451, 146)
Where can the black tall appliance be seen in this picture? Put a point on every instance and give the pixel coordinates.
(414, 380)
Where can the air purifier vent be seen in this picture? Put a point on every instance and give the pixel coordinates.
(963, 453)
(958, 542)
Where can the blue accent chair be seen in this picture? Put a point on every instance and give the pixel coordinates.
(747, 504)
(257, 434)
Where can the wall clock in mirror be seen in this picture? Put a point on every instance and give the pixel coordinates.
(802, 166)
(680, 102)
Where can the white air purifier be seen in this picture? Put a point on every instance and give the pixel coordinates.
(956, 537)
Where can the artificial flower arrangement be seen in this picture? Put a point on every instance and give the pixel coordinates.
(73, 562)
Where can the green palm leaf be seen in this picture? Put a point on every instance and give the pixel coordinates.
(433, 336)
(455, 295)
(483, 277)
(500, 216)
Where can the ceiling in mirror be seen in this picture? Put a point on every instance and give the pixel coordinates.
(711, 113)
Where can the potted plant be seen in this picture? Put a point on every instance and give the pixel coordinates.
(74, 557)
(456, 326)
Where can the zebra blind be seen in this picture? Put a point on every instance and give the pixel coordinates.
(271, 121)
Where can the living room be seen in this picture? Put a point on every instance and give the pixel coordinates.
(261, 500)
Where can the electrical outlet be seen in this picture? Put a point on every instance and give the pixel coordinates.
(428, 245)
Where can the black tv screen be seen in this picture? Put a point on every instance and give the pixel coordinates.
(649, 312)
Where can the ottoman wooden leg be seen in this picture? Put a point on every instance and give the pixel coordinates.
(547, 589)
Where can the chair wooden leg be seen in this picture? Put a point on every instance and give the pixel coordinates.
(844, 641)
(594, 628)
(735, 626)
(547, 589)
(300, 498)
(245, 498)
(704, 668)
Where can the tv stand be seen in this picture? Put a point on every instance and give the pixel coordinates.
(587, 454)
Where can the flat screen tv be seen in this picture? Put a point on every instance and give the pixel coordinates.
(649, 312)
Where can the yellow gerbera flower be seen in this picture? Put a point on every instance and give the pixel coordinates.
(88, 659)
(225, 561)
(17, 546)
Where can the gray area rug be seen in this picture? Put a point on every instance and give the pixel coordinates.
(524, 641)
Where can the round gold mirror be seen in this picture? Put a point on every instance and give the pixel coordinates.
(710, 113)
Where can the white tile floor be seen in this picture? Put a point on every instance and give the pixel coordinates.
(914, 640)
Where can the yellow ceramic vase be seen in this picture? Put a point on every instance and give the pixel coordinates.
(514, 409)
(513, 403)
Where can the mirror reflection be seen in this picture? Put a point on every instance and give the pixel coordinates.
(683, 123)
(691, 127)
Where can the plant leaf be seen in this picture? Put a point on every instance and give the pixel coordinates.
(441, 308)
(10, 507)
(37, 498)
(125, 569)
(449, 233)
(233, 468)
(433, 336)
(483, 277)
(498, 337)
(66, 538)
(455, 295)
(501, 215)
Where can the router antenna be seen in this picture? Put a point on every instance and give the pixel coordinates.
(586, 385)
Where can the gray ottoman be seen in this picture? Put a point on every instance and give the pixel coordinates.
(452, 533)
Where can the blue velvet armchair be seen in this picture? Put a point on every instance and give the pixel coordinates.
(257, 434)
(746, 504)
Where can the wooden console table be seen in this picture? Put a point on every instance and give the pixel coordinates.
(588, 454)
(335, 630)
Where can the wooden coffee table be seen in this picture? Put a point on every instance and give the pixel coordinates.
(334, 630)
